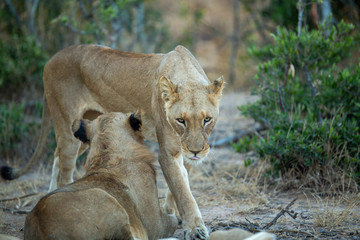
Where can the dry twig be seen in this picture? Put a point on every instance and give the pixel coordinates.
(13, 211)
(282, 212)
(19, 197)
(297, 231)
(242, 133)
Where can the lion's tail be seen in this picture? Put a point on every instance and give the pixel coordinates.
(10, 173)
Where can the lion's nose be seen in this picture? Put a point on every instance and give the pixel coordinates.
(195, 152)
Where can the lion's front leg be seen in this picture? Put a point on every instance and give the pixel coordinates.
(176, 176)
(170, 204)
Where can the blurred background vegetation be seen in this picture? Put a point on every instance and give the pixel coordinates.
(306, 66)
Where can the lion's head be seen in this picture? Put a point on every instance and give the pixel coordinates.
(192, 111)
(111, 132)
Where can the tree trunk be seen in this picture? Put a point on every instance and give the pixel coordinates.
(235, 42)
(325, 13)
(325, 10)
(31, 9)
(13, 12)
(141, 34)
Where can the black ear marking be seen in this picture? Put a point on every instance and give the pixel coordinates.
(81, 133)
(135, 123)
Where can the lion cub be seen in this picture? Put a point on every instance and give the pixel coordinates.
(116, 199)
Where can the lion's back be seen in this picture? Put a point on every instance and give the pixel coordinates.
(78, 214)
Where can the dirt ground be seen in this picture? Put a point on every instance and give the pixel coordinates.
(229, 194)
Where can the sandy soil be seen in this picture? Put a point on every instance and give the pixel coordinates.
(229, 195)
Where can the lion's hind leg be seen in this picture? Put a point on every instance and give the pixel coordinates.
(66, 151)
(54, 173)
(56, 167)
(68, 147)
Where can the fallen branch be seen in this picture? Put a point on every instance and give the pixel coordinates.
(291, 230)
(242, 133)
(254, 227)
(232, 225)
(13, 211)
(19, 197)
(282, 212)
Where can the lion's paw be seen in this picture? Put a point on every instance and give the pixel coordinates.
(200, 232)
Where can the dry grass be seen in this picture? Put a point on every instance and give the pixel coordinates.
(1, 219)
(320, 179)
(335, 211)
(332, 205)
(30, 183)
(232, 183)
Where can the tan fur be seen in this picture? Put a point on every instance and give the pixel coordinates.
(116, 199)
(86, 80)
(240, 234)
(7, 237)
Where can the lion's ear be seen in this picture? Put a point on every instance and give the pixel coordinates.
(168, 89)
(135, 120)
(216, 87)
(79, 130)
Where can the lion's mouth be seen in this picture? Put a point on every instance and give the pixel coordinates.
(194, 158)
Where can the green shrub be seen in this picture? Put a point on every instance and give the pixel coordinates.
(14, 127)
(11, 125)
(22, 62)
(131, 25)
(245, 144)
(310, 105)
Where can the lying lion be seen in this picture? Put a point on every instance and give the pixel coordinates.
(178, 103)
(116, 199)
(240, 234)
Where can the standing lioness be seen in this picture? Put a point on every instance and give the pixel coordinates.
(178, 103)
(116, 199)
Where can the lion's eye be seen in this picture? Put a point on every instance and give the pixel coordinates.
(181, 120)
(206, 120)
